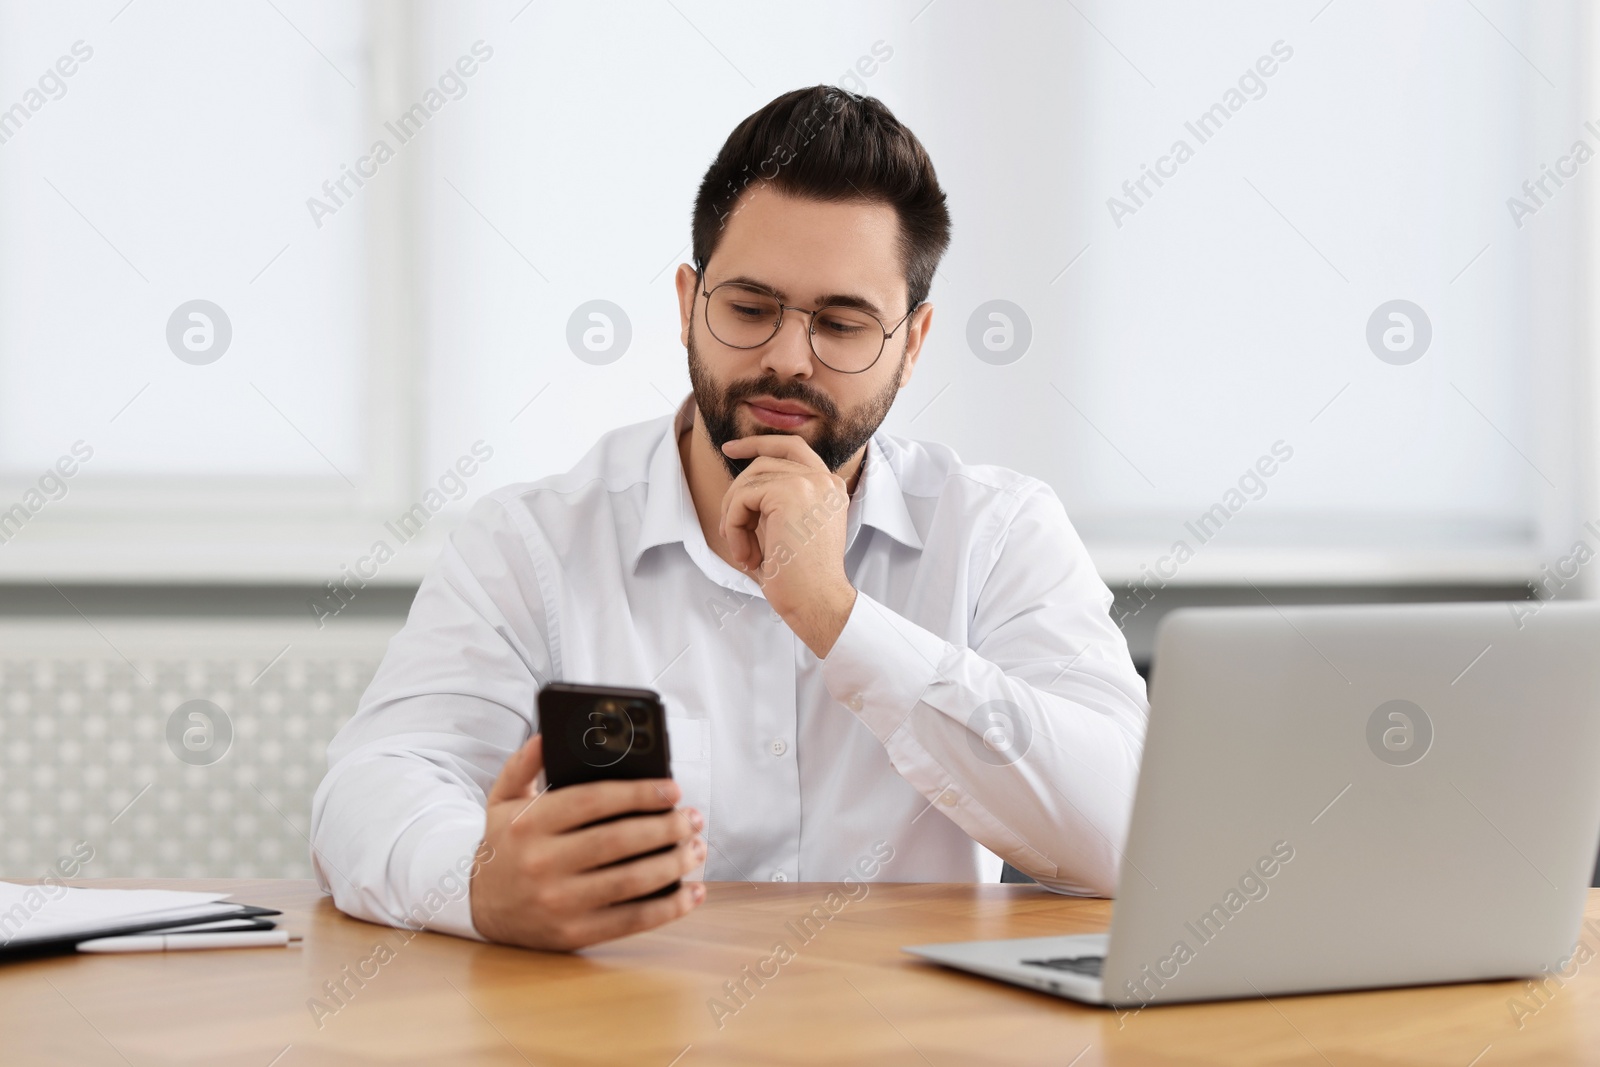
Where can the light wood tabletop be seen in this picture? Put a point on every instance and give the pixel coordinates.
(842, 993)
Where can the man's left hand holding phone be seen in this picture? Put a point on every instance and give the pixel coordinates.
(599, 854)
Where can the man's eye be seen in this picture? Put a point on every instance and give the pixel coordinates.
(841, 327)
(750, 311)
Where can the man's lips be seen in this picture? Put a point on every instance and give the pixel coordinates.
(782, 414)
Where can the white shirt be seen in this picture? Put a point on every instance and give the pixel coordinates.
(979, 703)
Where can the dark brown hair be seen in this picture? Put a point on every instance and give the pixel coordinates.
(825, 143)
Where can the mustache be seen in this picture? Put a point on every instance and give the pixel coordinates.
(779, 389)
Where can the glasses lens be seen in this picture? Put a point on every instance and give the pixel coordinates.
(847, 339)
(742, 318)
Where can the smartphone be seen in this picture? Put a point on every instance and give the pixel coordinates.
(597, 732)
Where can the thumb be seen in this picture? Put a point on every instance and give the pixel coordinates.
(517, 776)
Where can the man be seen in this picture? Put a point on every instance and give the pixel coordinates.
(874, 658)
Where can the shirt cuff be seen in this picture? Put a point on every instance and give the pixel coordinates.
(435, 861)
(881, 664)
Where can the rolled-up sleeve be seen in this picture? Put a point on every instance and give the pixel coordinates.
(397, 821)
(1029, 736)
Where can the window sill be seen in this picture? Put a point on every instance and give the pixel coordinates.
(266, 550)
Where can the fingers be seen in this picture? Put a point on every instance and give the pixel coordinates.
(584, 850)
(746, 500)
(741, 517)
(621, 920)
(517, 776)
(762, 471)
(578, 805)
(545, 890)
(773, 465)
(788, 446)
(625, 881)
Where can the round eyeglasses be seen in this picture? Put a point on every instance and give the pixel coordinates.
(845, 339)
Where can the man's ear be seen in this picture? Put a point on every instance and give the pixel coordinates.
(688, 283)
(916, 332)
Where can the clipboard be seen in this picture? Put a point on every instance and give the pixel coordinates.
(16, 950)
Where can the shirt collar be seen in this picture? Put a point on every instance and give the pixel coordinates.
(669, 515)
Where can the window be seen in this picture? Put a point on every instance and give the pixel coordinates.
(441, 238)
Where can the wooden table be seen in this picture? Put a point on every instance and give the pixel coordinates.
(847, 995)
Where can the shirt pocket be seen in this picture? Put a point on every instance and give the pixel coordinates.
(690, 742)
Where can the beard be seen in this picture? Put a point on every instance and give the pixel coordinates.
(836, 437)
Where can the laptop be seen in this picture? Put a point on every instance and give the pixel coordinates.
(1341, 798)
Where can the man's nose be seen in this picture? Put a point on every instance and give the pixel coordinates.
(789, 352)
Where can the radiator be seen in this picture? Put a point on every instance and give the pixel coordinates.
(173, 748)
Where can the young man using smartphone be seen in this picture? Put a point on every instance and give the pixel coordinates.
(865, 646)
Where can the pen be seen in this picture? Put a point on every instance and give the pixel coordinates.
(183, 942)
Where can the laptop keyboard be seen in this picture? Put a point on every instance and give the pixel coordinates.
(1087, 965)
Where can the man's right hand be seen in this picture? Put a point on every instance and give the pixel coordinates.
(547, 884)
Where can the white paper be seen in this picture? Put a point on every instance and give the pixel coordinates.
(45, 912)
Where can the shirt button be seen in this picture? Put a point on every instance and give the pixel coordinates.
(779, 876)
(948, 798)
(778, 746)
(854, 703)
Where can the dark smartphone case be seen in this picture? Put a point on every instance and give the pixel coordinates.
(597, 732)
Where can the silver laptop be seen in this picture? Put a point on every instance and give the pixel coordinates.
(1344, 798)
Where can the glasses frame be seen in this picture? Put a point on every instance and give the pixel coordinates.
(811, 328)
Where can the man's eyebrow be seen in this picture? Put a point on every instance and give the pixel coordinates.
(849, 300)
